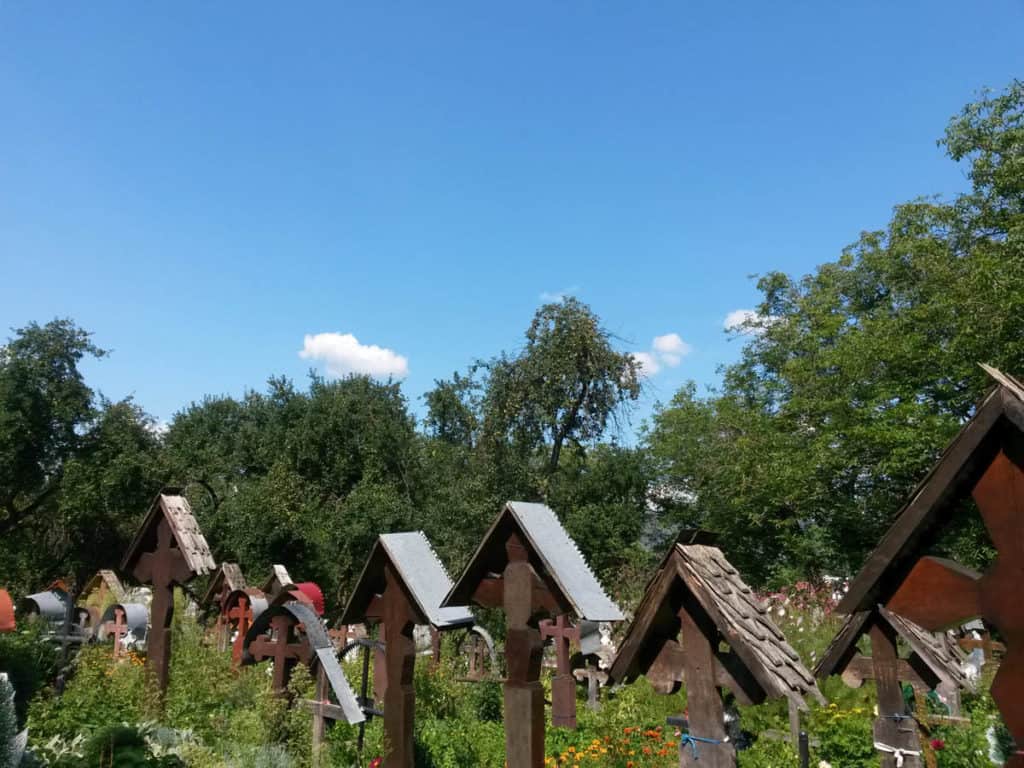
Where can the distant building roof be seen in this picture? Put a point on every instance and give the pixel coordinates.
(551, 548)
(421, 572)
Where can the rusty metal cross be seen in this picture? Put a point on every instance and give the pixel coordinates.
(239, 617)
(940, 593)
(284, 647)
(563, 685)
(118, 628)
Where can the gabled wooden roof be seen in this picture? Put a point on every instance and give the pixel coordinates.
(230, 575)
(104, 577)
(936, 650)
(279, 579)
(171, 505)
(699, 572)
(424, 578)
(552, 551)
(952, 477)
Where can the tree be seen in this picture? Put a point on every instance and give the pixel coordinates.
(45, 406)
(565, 386)
(855, 377)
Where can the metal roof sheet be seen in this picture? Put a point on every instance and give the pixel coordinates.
(564, 561)
(425, 576)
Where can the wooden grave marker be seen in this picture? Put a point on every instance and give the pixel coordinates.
(695, 603)
(168, 551)
(934, 662)
(984, 460)
(529, 566)
(401, 586)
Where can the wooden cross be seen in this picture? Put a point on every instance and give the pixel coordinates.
(563, 685)
(324, 712)
(284, 647)
(162, 568)
(239, 617)
(703, 698)
(523, 600)
(595, 678)
(477, 659)
(939, 593)
(118, 628)
(989, 647)
(397, 618)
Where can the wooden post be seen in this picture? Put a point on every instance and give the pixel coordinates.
(890, 729)
(703, 699)
(524, 694)
(794, 722)
(400, 661)
(319, 721)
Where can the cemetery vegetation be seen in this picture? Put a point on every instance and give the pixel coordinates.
(850, 382)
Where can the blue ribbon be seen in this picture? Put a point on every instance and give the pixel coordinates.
(687, 739)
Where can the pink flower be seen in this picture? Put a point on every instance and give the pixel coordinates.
(938, 744)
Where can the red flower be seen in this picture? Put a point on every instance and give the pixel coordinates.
(938, 744)
(377, 762)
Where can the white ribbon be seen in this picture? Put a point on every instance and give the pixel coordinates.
(897, 753)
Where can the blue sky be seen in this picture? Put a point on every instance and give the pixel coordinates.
(202, 185)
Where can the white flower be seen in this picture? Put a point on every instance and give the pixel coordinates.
(824, 764)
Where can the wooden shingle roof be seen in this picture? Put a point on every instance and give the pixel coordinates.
(228, 575)
(936, 650)
(171, 505)
(695, 569)
(104, 578)
(552, 551)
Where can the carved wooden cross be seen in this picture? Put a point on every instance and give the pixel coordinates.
(939, 593)
(397, 618)
(703, 698)
(239, 617)
(118, 628)
(563, 685)
(162, 568)
(284, 647)
(525, 598)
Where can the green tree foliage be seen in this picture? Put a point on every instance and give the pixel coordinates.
(854, 378)
(76, 470)
(301, 478)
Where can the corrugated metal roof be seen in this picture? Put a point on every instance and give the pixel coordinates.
(425, 576)
(343, 692)
(421, 572)
(564, 561)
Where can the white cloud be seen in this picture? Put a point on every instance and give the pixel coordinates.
(342, 354)
(737, 321)
(667, 351)
(648, 363)
(671, 349)
(556, 296)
